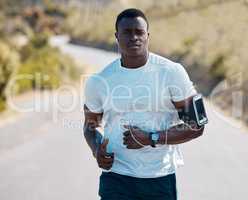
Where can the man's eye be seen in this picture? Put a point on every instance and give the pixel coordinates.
(140, 32)
(126, 32)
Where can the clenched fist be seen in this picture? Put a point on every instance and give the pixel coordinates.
(104, 160)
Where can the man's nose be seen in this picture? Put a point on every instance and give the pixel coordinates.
(133, 37)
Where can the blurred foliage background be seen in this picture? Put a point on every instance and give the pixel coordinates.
(210, 37)
(25, 53)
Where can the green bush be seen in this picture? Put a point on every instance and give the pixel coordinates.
(68, 68)
(9, 62)
(40, 40)
(2, 104)
(217, 68)
(43, 67)
(40, 71)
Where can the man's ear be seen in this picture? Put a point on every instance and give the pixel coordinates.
(116, 37)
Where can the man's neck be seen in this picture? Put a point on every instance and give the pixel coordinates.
(134, 62)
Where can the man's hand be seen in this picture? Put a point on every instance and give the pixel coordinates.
(138, 134)
(104, 160)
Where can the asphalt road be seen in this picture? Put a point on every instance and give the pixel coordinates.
(43, 155)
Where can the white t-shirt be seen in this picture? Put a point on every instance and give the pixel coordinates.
(140, 97)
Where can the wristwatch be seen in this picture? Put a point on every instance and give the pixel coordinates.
(154, 137)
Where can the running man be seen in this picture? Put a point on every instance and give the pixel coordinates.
(142, 100)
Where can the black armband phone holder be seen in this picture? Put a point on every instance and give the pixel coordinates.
(194, 113)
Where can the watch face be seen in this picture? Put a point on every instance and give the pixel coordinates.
(155, 136)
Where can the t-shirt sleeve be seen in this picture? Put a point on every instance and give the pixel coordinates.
(180, 85)
(92, 98)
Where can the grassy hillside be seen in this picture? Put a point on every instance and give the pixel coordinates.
(25, 54)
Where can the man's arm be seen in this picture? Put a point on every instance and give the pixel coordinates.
(183, 132)
(91, 123)
(94, 137)
(175, 135)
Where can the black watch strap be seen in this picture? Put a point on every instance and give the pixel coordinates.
(152, 141)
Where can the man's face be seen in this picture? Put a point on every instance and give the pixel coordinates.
(132, 36)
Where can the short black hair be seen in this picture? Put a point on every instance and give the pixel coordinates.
(130, 13)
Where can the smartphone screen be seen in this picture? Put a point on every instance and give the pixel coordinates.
(200, 110)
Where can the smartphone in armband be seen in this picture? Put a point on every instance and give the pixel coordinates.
(199, 110)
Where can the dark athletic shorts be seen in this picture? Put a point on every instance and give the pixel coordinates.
(114, 186)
